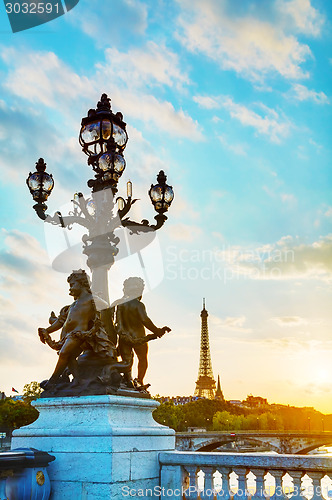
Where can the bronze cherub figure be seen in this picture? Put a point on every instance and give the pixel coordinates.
(88, 357)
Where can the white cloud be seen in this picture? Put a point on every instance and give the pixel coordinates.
(184, 232)
(42, 77)
(300, 92)
(303, 15)
(270, 124)
(181, 206)
(328, 212)
(142, 157)
(246, 44)
(207, 102)
(147, 65)
(285, 259)
(289, 321)
(317, 146)
(29, 290)
(233, 323)
(110, 22)
(27, 135)
(157, 114)
(238, 149)
(288, 198)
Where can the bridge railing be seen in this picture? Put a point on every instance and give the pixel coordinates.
(241, 476)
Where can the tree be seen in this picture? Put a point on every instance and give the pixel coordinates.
(15, 414)
(31, 391)
(169, 414)
(194, 414)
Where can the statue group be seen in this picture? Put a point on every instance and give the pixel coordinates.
(94, 336)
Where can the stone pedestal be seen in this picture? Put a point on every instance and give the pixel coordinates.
(104, 446)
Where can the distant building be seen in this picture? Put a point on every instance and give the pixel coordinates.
(255, 401)
(178, 400)
(219, 395)
(236, 402)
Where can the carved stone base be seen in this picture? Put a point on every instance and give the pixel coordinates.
(95, 376)
(104, 446)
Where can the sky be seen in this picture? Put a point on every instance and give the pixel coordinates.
(232, 99)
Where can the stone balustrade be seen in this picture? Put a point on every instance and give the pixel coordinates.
(239, 476)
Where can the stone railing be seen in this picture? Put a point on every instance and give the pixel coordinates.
(238, 476)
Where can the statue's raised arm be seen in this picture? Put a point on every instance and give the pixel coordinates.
(131, 321)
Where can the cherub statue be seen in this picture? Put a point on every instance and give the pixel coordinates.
(131, 321)
(81, 330)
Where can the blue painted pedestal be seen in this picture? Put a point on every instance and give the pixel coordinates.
(104, 445)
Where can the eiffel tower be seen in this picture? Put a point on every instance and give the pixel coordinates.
(205, 385)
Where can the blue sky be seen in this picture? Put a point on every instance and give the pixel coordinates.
(233, 100)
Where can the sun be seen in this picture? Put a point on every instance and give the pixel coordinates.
(322, 375)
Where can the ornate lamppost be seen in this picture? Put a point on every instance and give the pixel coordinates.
(87, 345)
(103, 138)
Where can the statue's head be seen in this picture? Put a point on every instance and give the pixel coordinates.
(133, 287)
(80, 279)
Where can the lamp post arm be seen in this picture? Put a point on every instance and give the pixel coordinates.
(128, 204)
(145, 226)
(82, 204)
(161, 219)
(136, 227)
(59, 220)
(67, 220)
(40, 209)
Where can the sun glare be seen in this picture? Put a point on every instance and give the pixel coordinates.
(322, 375)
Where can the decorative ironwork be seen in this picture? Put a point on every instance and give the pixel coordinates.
(103, 138)
(205, 385)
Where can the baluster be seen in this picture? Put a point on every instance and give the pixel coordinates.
(208, 491)
(327, 479)
(242, 483)
(316, 485)
(279, 492)
(192, 491)
(297, 476)
(225, 493)
(259, 493)
(269, 485)
(173, 477)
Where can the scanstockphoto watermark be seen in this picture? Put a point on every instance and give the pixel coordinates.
(225, 263)
(193, 492)
(26, 14)
(162, 492)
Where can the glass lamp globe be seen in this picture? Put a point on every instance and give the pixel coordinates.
(40, 183)
(161, 194)
(102, 130)
(112, 165)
